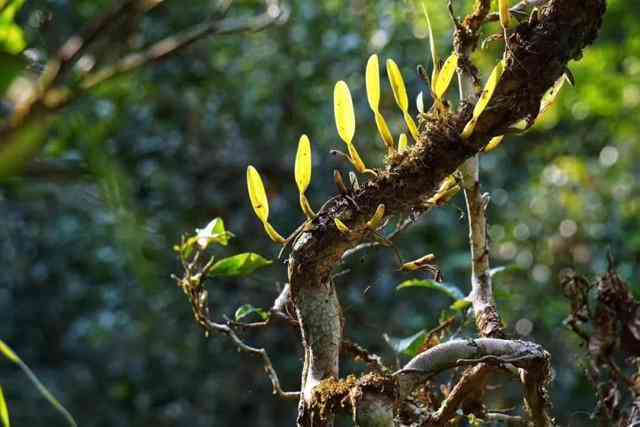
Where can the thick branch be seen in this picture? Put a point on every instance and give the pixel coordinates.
(538, 54)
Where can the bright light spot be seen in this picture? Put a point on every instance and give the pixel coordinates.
(522, 231)
(524, 327)
(608, 156)
(379, 39)
(524, 259)
(508, 250)
(568, 228)
(581, 254)
(541, 273)
(580, 110)
(555, 176)
(496, 232)
(499, 196)
(631, 96)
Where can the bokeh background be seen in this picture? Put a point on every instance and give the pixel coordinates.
(86, 232)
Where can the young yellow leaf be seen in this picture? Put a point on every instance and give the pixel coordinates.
(306, 207)
(494, 143)
(418, 263)
(376, 219)
(356, 160)
(432, 43)
(303, 164)
(341, 226)
(372, 75)
(446, 75)
(413, 129)
(397, 85)
(344, 113)
(484, 99)
(4, 410)
(550, 97)
(403, 143)
(257, 194)
(8, 353)
(505, 15)
(384, 131)
(273, 234)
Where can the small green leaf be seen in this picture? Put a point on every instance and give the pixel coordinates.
(447, 288)
(214, 232)
(238, 265)
(461, 305)
(409, 346)
(4, 410)
(247, 309)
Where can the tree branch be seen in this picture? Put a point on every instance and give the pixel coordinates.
(537, 56)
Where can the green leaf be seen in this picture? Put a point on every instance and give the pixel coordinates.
(461, 305)
(238, 265)
(247, 309)
(214, 232)
(4, 410)
(409, 346)
(452, 290)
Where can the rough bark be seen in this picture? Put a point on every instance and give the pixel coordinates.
(537, 56)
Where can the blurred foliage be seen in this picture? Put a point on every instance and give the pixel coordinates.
(86, 232)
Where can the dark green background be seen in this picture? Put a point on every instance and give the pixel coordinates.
(86, 297)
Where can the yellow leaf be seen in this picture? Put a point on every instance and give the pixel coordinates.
(550, 97)
(446, 75)
(4, 410)
(403, 143)
(257, 194)
(413, 129)
(384, 131)
(356, 160)
(485, 97)
(377, 218)
(306, 207)
(432, 43)
(9, 354)
(493, 144)
(418, 263)
(303, 164)
(372, 75)
(273, 234)
(397, 85)
(344, 113)
(505, 16)
(341, 226)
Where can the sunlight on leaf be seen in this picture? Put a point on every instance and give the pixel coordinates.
(494, 143)
(432, 42)
(8, 353)
(273, 234)
(505, 15)
(214, 232)
(403, 143)
(377, 217)
(397, 85)
(343, 111)
(306, 207)
(247, 309)
(485, 97)
(257, 194)
(303, 164)
(451, 290)
(413, 129)
(4, 410)
(383, 130)
(372, 75)
(238, 265)
(341, 226)
(461, 305)
(445, 76)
